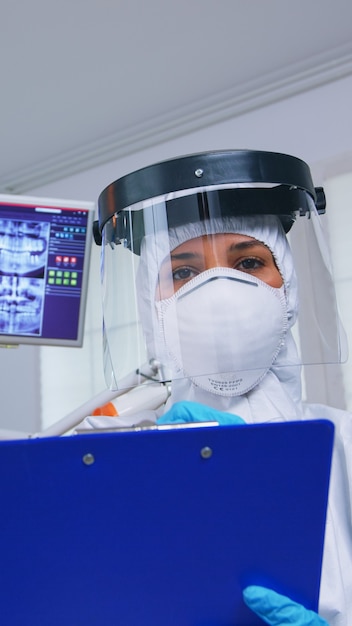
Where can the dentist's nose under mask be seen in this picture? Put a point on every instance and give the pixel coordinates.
(222, 327)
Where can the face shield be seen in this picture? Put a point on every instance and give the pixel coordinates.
(204, 278)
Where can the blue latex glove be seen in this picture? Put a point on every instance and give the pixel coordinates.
(186, 412)
(277, 610)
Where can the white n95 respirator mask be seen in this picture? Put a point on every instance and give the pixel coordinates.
(223, 330)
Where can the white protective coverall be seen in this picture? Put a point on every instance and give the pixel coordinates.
(277, 397)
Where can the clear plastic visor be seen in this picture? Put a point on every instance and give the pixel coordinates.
(213, 291)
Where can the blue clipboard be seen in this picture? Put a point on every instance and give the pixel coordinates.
(161, 527)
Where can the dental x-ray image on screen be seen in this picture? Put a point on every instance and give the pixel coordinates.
(44, 263)
(23, 260)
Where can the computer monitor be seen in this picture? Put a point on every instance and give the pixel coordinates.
(45, 249)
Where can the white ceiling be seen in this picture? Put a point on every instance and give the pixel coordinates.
(87, 81)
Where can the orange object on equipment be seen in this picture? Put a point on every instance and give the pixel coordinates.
(107, 409)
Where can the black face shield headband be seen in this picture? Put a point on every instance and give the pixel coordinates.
(200, 186)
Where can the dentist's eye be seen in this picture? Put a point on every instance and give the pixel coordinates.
(249, 264)
(183, 273)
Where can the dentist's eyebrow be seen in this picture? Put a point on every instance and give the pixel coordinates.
(243, 245)
(185, 256)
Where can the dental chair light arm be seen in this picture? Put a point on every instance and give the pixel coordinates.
(70, 421)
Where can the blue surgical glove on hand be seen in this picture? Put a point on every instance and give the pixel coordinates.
(187, 412)
(278, 610)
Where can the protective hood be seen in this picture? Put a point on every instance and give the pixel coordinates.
(282, 381)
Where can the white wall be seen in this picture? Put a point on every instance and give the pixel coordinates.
(314, 125)
(339, 189)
